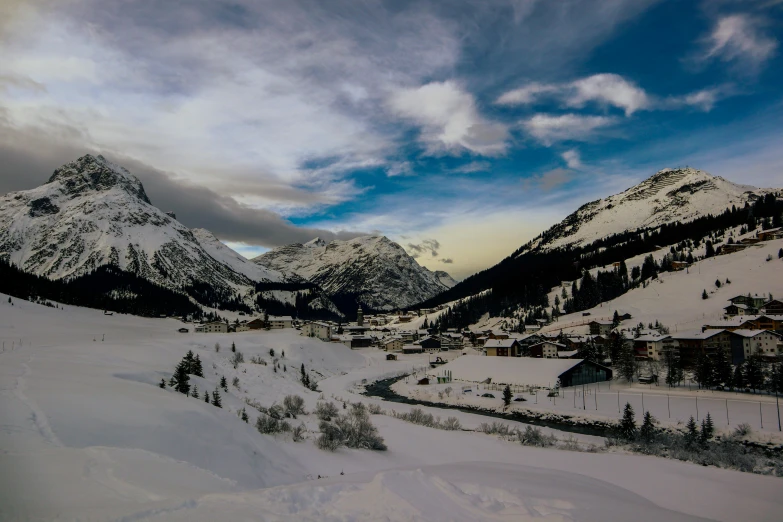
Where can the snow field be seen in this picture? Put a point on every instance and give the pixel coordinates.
(88, 435)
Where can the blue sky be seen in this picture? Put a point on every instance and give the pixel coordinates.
(459, 129)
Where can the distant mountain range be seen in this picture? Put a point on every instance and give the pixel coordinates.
(372, 270)
(92, 213)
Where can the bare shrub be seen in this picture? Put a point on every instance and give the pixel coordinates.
(298, 432)
(570, 444)
(374, 409)
(255, 359)
(217, 347)
(235, 382)
(451, 424)
(237, 358)
(743, 430)
(354, 430)
(326, 411)
(268, 425)
(293, 405)
(496, 428)
(531, 436)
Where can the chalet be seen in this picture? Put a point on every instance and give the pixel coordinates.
(650, 346)
(772, 307)
(391, 357)
(772, 233)
(497, 334)
(753, 301)
(502, 348)
(749, 240)
(451, 341)
(258, 323)
(690, 344)
(524, 371)
(404, 318)
(568, 354)
(393, 344)
(731, 248)
(407, 336)
(680, 265)
(745, 343)
(277, 322)
(763, 322)
(357, 341)
(600, 327)
(212, 327)
(738, 309)
(322, 331)
(241, 327)
(412, 348)
(546, 349)
(532, 328)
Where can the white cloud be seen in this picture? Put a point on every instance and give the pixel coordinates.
(609, 89)
(739, 39)
(473, 166)
(526, 95)
(572, 159)
(402, 168)
(548, 128)
(449, 119)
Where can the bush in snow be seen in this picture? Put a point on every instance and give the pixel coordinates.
(374, 409)
(235, 382)
(451, 424)
(743, 430)
(531, 436)
(298, 432)
(354, 430)
(255, 359)
(496, 428)
(326, 411)
(236, 358)
(217, 347)
(570, 444)
(269, 425)
(293, 405)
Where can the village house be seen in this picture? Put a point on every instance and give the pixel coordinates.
(731, 248)
(734, 310)
(502, 348)
(772, 233)
(546, 349)
(212, 327)
(650, 346)
(356, 341)
(259, 323)
(412, 348)
(753, 301)
(745, 343)
(277, 322)
(598, 327)
(772, 307)
(393, 344)
(430, 344)
(241, 327)
(322, 331)
(690, 344)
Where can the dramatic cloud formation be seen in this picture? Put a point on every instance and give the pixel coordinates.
(449, 119)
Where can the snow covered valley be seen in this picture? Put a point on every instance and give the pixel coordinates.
(87, 434)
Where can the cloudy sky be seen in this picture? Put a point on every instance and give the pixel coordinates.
(460, 129)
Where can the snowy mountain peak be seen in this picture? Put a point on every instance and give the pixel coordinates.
(96, 173)
(669, 195)
(317, 242)
(375, 269)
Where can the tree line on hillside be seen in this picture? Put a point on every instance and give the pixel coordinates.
(105, 288)
(524, 278)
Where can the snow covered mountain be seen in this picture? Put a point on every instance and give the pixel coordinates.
(375, 269)
(669, 196)
(92, 213)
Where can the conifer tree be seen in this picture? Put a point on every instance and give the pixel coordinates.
(224, 383)
(206, 396)
(198, 371)
(189, 362)
(216, 399)
(271, 352)
(704, 294)
(162, 383)
(244, 416)
(507, 395)
(707, 428)
(738, 382)
(172, 382)
(194, 394)
(628, 423)
(182, 378)
(722, 372)
(647, 431)
(233, 347)
(692, 435)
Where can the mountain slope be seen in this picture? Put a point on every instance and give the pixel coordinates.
(93, 213)
(669, 196)
(374, 269)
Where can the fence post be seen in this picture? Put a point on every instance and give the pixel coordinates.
(761, 416)
(642, 404)
(697, 407)
(668, 408)
(618, 401)
(727, 413)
